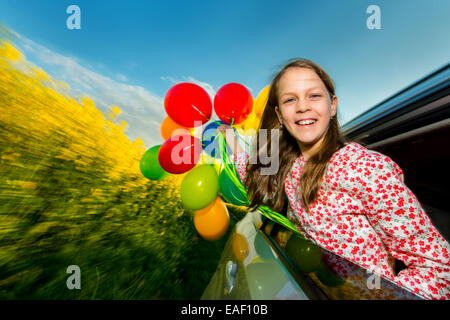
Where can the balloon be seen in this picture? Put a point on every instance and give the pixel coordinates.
(188, 104)
(206, 159)
(327, 277)
(169, 127)
(149, 165)
(233, 103)
(305, 254)
(262, 248)
(261, 101)
(199, 187)
(230, 191)
(179, 153)
(212, 222)
(210, 140)
(249, 126)
(240, 247)
(265, 280)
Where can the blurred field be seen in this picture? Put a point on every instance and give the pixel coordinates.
(71, 193)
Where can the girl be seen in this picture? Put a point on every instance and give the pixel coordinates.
(344, 197)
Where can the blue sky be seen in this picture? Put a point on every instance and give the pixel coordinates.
(129, 53)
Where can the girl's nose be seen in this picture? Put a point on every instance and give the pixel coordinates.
(302, 105)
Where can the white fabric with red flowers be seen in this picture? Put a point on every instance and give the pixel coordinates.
(365, 213)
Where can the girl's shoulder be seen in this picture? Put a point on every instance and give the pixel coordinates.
(355, 151)
(350, 151)
(355, 155)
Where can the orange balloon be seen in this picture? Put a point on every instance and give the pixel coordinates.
(168, 127)
(212, 222)
(240, 247)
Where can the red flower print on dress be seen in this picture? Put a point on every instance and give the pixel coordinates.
(366, 214)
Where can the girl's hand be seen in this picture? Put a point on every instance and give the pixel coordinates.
(222, 128)
(228, 131)
(230, 138)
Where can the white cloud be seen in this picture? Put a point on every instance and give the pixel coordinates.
(208, 88)
(121, 77)
(141, 109)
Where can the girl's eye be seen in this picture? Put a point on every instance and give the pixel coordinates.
(315, 96)
(288, 100)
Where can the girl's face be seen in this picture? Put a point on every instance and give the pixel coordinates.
(302, 95)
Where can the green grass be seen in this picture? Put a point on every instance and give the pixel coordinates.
(120, 257)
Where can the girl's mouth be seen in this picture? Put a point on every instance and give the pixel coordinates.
(305, 123)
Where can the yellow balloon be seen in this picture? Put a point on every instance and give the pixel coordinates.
(195, 131)
(217, 166)
(207, 159)
(249, 126)
(212, 222)
(261, 101)
(240, 247)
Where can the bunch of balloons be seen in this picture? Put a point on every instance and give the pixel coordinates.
(189, 107)
(204, 189)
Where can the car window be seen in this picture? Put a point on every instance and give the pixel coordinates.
(336, 277)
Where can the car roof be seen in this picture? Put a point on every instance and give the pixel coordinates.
(424, 103)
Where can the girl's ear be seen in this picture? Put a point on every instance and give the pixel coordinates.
(277, 111)
(334, 102)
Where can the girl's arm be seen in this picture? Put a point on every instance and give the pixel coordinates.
(405, 228)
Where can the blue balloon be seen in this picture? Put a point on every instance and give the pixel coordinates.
(210, 140)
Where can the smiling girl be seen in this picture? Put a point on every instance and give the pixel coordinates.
(344, 197)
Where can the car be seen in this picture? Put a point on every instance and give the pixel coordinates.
(412, 128)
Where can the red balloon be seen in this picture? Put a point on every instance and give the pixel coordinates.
(188, 104)
(233, 101)
(179, 153)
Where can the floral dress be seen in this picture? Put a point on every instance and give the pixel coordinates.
(365, 213)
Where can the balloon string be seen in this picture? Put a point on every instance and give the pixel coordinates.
(212, 134)
(236, 196)
(239, 136)
(201, 113)
(215, 135)
(230, 170)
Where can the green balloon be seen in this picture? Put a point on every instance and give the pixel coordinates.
(327, 277)
(199, 187)
(305, 254)
(149, 165)
(230, 191)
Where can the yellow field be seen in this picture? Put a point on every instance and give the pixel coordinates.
(71, 193)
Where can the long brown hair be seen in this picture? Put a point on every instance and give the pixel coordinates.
(269, 189)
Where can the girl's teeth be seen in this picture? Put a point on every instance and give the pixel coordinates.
(306, 122)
